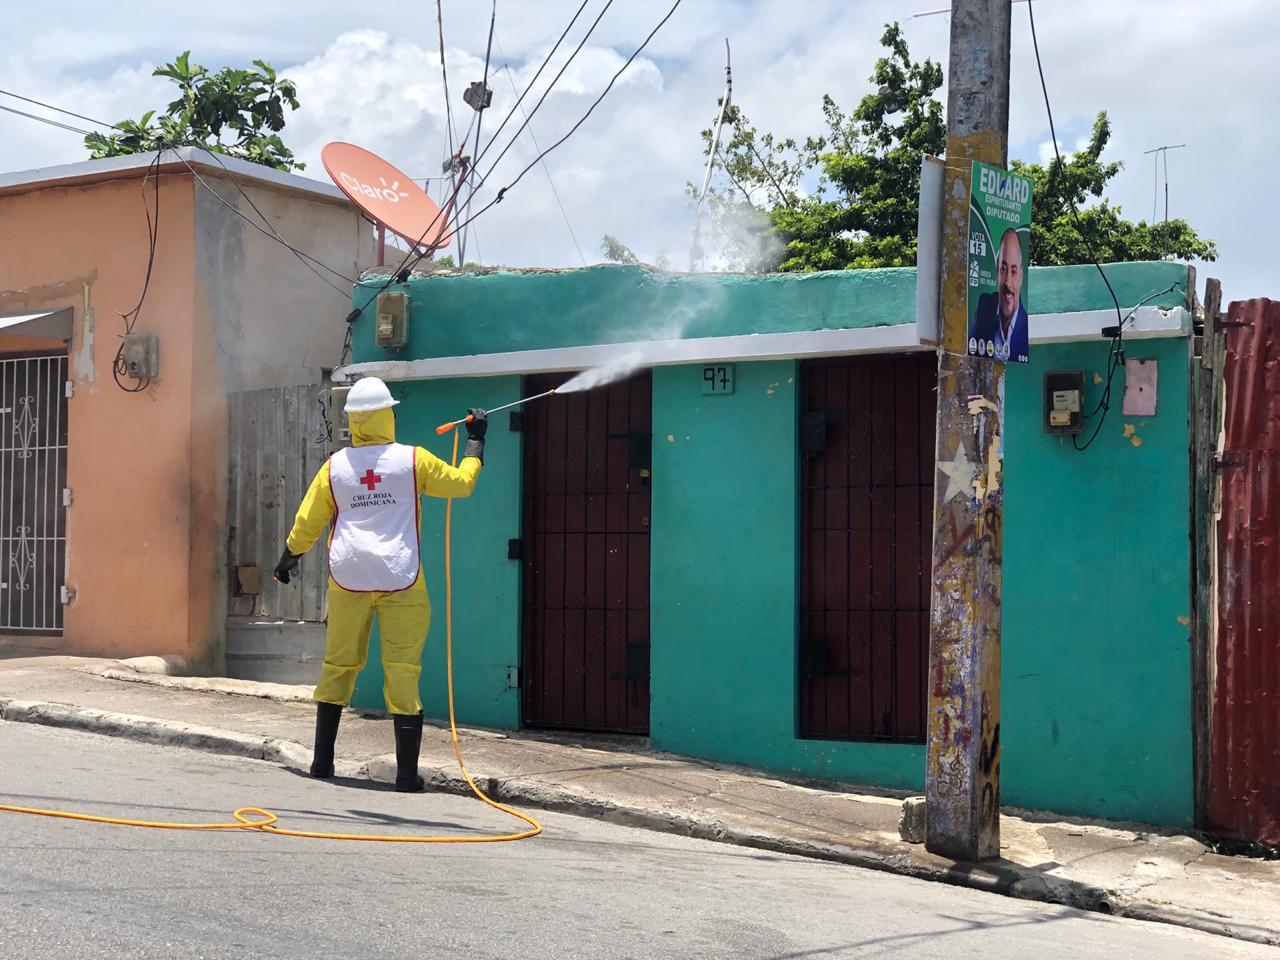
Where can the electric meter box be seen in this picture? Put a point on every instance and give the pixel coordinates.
(339, 426)
(141, 355)
(1063, 399)
(392, 328)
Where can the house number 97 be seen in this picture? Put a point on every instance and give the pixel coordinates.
(717, 379)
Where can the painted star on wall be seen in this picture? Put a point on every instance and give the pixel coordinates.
(960, 472)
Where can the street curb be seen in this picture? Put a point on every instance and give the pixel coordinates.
(1009, 880)
(276, 692)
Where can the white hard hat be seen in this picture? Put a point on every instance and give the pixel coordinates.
(367, 395)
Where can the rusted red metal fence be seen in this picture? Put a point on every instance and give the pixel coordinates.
(1244, 780)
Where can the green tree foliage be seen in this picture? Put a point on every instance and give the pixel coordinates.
(849, 197)
(615, 251)
(1081, 179)
(239, 113)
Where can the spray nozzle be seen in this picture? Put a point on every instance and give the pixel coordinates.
(446, 427)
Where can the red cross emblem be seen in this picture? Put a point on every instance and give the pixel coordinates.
(370, 479)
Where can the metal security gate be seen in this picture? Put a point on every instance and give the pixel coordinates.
(586, 558)
(33, 481)
(867, 434)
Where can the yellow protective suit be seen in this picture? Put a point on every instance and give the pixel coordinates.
(403, 616)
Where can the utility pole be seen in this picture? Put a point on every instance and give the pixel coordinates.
(962, 775)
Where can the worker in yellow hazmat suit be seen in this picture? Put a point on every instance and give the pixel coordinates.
(369, 492)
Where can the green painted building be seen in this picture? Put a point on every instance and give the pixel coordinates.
(731, 551)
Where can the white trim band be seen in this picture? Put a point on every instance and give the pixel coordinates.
(1147, 323)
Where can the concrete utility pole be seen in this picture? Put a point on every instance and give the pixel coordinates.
(962, 777)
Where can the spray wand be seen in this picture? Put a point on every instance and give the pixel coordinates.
(446, 427)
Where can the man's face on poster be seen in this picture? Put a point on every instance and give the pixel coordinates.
(1010, 276)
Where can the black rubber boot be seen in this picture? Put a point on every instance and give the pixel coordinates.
(408, 730)
(327, 717)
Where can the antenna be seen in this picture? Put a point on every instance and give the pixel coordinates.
(695, 252)
(1157, 154)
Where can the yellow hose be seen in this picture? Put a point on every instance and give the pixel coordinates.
(268, 821)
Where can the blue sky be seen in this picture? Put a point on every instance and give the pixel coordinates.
(370, 74)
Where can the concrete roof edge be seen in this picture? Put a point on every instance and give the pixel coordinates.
(136, 165)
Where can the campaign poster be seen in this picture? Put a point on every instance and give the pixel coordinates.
(999, 255)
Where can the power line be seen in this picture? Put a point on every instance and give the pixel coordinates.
(270, 230)
(480, 106)
(546, 93)
(48, 106)
(574, 129)
(444, 76)
(1115, 357)
(545, 169)
(401, 272)
(52, 123)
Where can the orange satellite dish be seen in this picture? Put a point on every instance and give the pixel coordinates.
(386, 194)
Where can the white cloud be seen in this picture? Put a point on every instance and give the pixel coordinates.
(1165, 74)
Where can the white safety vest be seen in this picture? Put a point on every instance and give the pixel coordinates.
(374, 545)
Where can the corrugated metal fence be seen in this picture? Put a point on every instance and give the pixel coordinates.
(1244, 788)
(279, 439)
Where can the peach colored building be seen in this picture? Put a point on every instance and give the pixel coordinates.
(131, 559)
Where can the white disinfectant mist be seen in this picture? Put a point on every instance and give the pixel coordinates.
(659, 334)
(619, 368)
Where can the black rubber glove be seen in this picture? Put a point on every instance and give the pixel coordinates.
(288, 563)
(477, 427)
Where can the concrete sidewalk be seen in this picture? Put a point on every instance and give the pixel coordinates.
(1130, 870)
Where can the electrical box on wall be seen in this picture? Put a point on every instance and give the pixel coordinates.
(141, 355)
(392, 328)
(1063, 399)
(338, 417)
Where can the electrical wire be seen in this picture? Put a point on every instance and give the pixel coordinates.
(401, 273)
(1117, 340)
(545, 169)
(270, 230)
(545, 93)
(119, 367)
(479, 118)
(49, 106)
(1115, 358)
(444, 78)
(52, 123)
(572, 130)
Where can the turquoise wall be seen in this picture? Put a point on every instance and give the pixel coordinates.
(464, 314)
(486, 585)
(1096, 708)
(1096, 705)
(724, 568)
(1096, 690)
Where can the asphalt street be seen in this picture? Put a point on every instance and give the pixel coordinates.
(583, 889)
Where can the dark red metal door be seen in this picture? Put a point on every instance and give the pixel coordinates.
(866, 473)
(585, 549)
(1244, 769)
